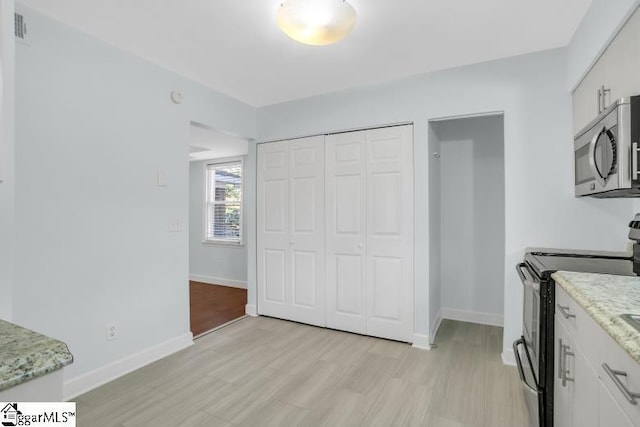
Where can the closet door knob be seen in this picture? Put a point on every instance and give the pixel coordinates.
(360, 245)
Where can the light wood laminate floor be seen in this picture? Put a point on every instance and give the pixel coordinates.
(269, 372)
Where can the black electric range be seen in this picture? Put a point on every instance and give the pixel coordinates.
(534, 351)
(546, 263)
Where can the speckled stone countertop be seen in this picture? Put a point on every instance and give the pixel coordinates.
(25, 355)
(605, 297)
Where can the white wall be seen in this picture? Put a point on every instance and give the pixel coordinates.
(540, 209)
(7, 198)
(218, 264)
(472, 218)
(91, 224)
(435, 208)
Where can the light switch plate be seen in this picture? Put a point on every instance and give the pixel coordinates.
(162, 179)
(175, 225)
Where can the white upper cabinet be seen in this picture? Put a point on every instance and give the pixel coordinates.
(616, 71)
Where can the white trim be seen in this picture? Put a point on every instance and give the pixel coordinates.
(473, 317)
(508, 357)
(251, 310)
(433, 330)
(218, 281)
(220, 327)
(421, 342)
(86, 382)
(223, 243)
(337, 131)
(467, 116)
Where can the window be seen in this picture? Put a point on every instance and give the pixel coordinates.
(223, 204)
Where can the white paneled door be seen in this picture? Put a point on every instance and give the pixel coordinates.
(346, 232)
(346, 200)
(291, 251)
(369, 211)
(390, 232)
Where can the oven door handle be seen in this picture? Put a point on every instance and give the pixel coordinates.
(519, 269)
(516, 353)
(526, 277)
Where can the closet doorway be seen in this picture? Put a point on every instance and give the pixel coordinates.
(217, 251)
(467, 219)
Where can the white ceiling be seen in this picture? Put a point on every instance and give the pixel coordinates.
(206, 143)
(235, 47)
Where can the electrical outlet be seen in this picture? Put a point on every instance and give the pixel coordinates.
(112, 331)
(175, 225)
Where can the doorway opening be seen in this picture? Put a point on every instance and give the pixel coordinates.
(467, 220)
(217, 251)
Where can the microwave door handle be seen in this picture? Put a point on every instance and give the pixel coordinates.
(592, 158)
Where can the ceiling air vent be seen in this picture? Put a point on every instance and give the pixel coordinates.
(20, 26)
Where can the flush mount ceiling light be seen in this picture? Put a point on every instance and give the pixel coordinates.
(316, 22)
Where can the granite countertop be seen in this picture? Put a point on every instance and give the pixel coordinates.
(605, 297)
(25, 355)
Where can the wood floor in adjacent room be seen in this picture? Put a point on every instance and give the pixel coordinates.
(269, 372)
(214, 305)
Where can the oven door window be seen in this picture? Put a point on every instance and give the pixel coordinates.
(584, 173)
(532, 323)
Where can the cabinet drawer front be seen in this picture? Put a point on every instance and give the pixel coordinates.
(567, 310)
(580, 325)
(617, 360)
(609, 412)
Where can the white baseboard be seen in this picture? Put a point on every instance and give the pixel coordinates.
(86, 382)
(421, 342)
(473, 317)
(508, 357)
(218, 281)
(251, 310)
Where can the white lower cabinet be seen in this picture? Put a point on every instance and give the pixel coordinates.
(584, 393)
(609, 412)
(576, 383)
(561, 391)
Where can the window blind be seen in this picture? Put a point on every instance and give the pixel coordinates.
(224, 202)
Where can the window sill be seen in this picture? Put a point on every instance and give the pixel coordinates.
(222, 243)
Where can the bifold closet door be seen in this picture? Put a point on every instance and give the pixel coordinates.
(389, 244)
(369, 212)
(346, 231)
(291, 251)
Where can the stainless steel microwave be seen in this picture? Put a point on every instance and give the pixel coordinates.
(606, 152)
